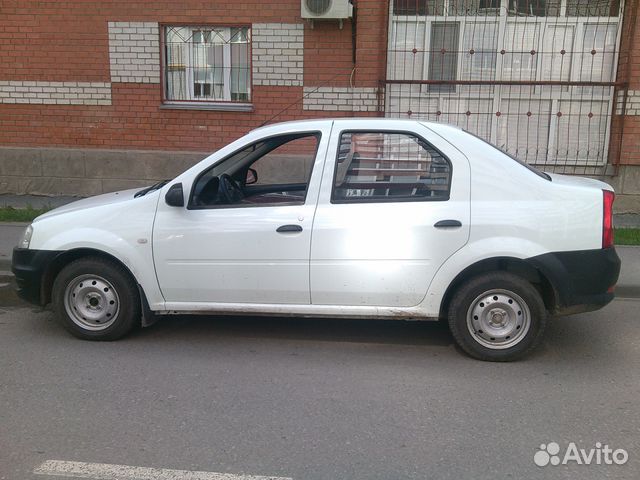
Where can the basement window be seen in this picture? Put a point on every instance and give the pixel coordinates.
(207, 65)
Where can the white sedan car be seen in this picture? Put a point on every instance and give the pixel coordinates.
(369, 218)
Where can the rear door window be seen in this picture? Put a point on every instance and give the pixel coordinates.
(389, 167)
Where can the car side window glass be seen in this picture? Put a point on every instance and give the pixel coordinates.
(389, 166)
(289, 163)
(273, 171)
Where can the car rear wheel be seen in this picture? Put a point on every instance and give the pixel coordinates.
(95, 299)
(497, 316)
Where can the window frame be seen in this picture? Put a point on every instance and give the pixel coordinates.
(231, 105)
(310, 133)
(334, 201)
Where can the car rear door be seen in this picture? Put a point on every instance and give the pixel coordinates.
(393, 206)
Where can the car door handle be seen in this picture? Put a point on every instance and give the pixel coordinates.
(448, 224)
(289, 229)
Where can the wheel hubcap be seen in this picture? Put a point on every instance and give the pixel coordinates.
(498, 319)
(91, 302)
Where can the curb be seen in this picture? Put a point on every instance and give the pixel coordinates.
(627, 291)
(14, 224)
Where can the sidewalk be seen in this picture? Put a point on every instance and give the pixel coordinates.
(626, 220)
(628, 284)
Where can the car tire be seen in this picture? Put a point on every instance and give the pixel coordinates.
(96, 299)
(497, 317)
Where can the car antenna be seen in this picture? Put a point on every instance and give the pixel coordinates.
(302, 98)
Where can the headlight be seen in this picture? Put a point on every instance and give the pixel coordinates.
(26, 237)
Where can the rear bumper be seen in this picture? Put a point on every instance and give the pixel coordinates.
(29, 267)
(583, 280)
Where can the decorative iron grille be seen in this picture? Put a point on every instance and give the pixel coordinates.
(535, 77)
(207, 63)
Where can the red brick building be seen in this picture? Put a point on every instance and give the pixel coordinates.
(97, 96)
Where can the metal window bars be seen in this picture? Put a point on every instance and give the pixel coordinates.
(535, 77)
(207, 64)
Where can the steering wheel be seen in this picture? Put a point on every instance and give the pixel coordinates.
(229, 189)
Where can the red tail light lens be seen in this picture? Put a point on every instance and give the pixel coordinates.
(607, 219)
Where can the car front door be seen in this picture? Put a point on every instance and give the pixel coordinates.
(253, 249)
(393, 206)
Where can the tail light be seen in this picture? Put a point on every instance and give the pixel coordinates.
(607, 219)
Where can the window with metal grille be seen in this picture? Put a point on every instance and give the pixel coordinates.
(489, 4)
(443, 59)
(535, 77)
(526, 8)
(389, 167)
(534, 8)
(207, 64)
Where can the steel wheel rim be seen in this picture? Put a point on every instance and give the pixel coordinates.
(498, 319)
(91, 302)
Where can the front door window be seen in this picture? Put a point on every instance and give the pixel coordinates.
(280, 169)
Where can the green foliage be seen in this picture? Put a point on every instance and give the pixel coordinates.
(627, 236)
(10, 214)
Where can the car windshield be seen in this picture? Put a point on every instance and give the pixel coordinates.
(533, 169)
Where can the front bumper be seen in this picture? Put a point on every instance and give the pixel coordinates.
(583, 280)
(29, 267)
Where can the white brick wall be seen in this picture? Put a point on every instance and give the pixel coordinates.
(277, 53)
(55, 93)
(633, 103)
(342, 99)
(134, 52)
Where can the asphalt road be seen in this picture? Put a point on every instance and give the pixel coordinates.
(316, 399)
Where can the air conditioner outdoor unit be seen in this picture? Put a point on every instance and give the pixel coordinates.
(326, 9)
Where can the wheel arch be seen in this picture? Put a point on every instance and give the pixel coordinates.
(68, 256)
(513, 265)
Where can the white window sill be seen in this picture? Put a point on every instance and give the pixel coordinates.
(221, 107)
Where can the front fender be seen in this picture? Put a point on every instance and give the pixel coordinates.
(131, 255)
(122, 230)
(136, 257)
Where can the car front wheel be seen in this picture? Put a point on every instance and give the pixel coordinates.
(96, 299)
(497, 316)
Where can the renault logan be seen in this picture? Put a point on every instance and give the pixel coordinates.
(368, 218)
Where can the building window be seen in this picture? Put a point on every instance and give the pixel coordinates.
(593, 8)
(443, 55)
(534, 8)
(418, 7)
(207, 64)
(535, 77)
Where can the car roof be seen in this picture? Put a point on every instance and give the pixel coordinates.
(365, 121)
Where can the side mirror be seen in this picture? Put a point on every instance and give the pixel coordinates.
(252, 177)
(175, 196)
